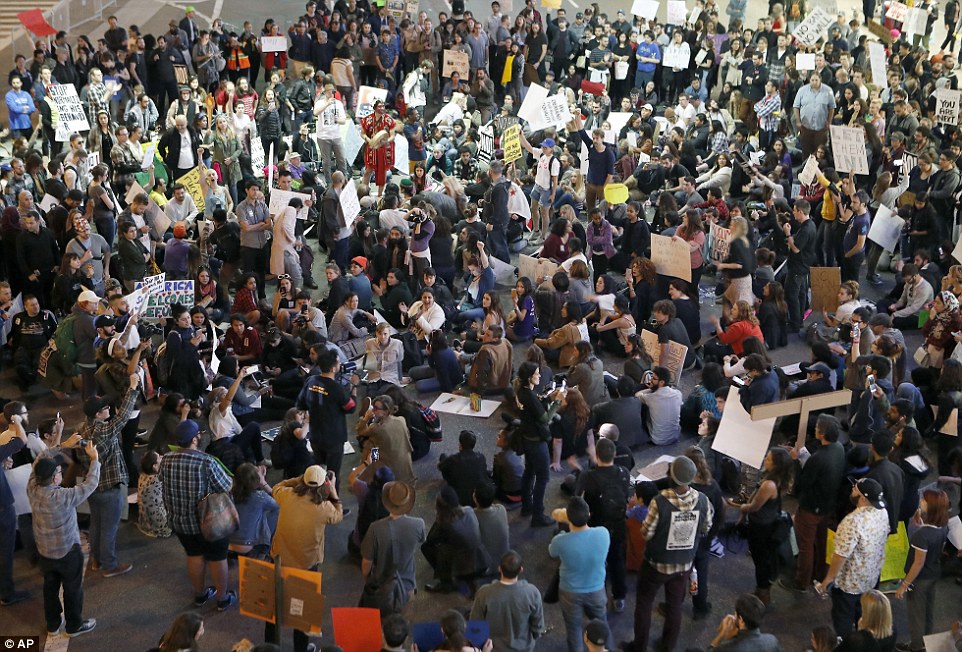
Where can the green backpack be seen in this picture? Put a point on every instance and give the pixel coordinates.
(65, 343)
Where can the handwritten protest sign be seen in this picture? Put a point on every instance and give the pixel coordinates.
(511, 144)
(555, 111)
(671, 257)
(536, 269)
(848, 149)
(897, 11)
(273, 44)
(876, 56)
(886, 228)
(676, 12)
(809, 172)
(485, 144)
(825, 282)
(947, 106)
(191, 182)
(676, 58)
(71, 116)
(455, 61)
(721, 239)
(676, 353)
(810, 30)
(159, 301)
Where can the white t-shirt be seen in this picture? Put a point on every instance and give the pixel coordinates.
(186, 158)
(328, 126)
(223, 425)
(543, 176)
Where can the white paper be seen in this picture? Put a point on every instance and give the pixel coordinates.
(351, 141)
(273, 44)
(401, 163)
(554, 112)
(647, 9)
(676, 58)
(676, 12)
(876, 55)
(805, 61)
(941, 642)
(886, 228)
(350, 204)
(809, 172)
(281, 199)
(741, 438)
(530, 109)
(955, 532)
(48, 202)
(452, 404)
(792, 370)
(606, 302)
(148, 156)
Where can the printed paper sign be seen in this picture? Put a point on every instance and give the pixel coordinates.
(947, 106)
(456, 62)
(813, 27)
(366, 97)
(683, 530)
(676, 12)
(848, 149)
(273, 44)
(511, 144)
(159, 301)
(886, 228)
(671, 257)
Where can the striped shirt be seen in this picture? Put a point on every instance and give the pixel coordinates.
(766, 108)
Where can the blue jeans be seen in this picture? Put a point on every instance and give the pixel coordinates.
(576, 605)
(105, 509)
(642, 78)
(468, 316)
(535, 478)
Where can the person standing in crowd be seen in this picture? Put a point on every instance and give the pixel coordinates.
(512, 607)
(15, 413)
(814, 109)
(858, 556)
(802, 247)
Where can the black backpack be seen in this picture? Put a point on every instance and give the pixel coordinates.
(614, 495)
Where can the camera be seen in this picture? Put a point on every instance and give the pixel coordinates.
(344, 375)
(146, 331)
(417, 216)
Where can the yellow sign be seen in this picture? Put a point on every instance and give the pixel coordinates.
(616, 193)
(191, 182)
(896, 553)
(511, 143)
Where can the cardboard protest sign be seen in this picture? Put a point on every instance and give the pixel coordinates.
(741, 438)
(511, 144)
(676, 354)
(303, 605)
(848, 149)
(191, 182)
(810, 30)
(456, 62)
(825, 282)
(671, 257)
(886, 228)
(160, 300)
(947, 106)
(536, 269)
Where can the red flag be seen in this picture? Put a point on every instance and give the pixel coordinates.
(35, 23)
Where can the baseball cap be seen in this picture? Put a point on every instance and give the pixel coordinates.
(360, 260)
(94, 405)
(819, 368)
(104, 321)
(597, 631)
(185, 432)
(649, 107)
(872, 491)
(88, 297)
(548, 142)
(315, 476)
(180, 230)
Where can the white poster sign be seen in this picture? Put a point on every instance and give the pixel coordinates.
(805, 61)
(676, 12)
(886, 228)
(148, 156)
(350, 204)
(947, 106)
(740, 437)
(813, 27)
(401, 163)
(809, 172)
(554, 111)
(530, 109)
(916, 22)
(647, 9)
(876, 56)
(351, 141)
(848, 149)
(273, 44)
(281, 199)
(897, 11)
(71, 116)
(676, 58)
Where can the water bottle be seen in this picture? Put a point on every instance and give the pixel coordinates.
(693, 582)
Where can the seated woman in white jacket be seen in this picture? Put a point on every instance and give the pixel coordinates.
(423, 317)
(719, 176)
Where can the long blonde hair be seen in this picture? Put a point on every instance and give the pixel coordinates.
(876, 614)
(739, 227)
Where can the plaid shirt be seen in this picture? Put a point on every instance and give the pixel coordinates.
(106, 437)
(684, 503)
(55, 512)
(188, 476)
(766, 108)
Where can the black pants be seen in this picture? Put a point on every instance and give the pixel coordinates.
(65, 573)
(699, 601)
(128, 437)
(329, 455)
(255, 261)
(764, 553)
(615, 570)
(851, 266)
